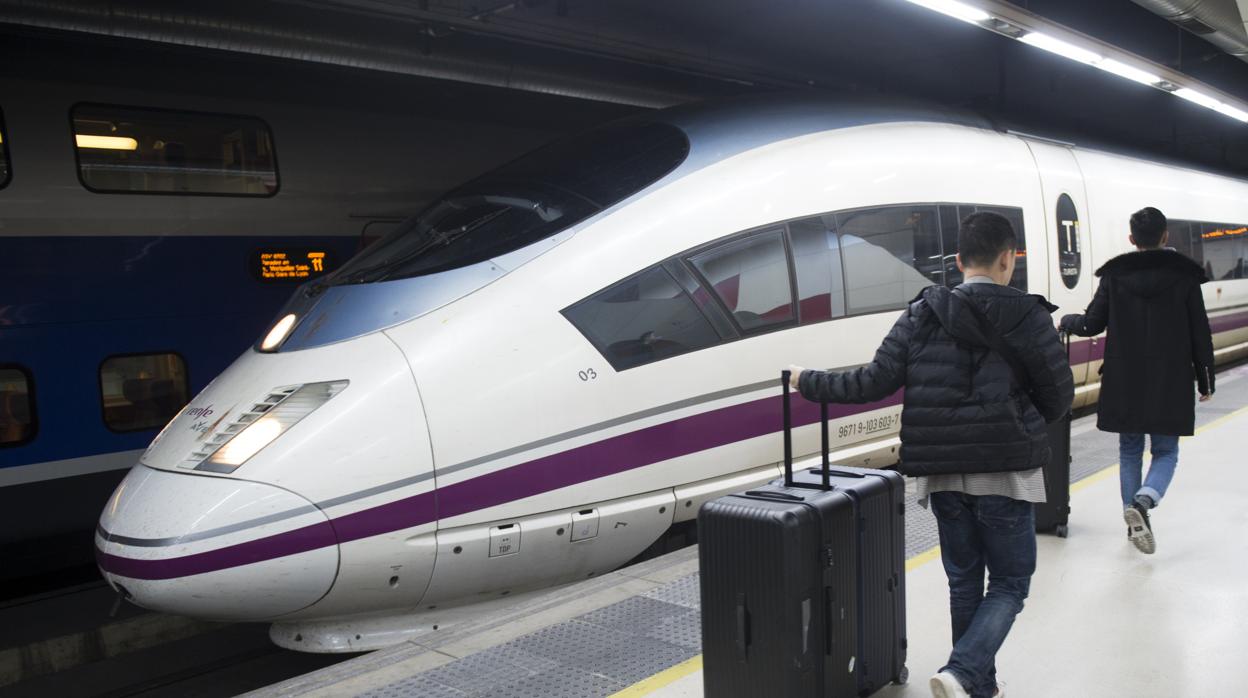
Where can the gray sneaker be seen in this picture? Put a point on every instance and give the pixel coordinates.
(1139, 530)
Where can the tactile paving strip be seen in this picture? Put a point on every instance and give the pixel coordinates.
(682, 592)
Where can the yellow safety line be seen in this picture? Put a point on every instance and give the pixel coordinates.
(663, 678)
(687, 667)
(922, 558)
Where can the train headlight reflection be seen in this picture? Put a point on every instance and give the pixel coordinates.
(259, 426)
(278, 333)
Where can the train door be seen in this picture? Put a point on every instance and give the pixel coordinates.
(1070, 277)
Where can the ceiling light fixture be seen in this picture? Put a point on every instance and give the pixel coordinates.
(1123, 70)
(1061, 48)
(955, 9)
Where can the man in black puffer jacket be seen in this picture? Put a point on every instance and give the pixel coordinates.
(973, 429)
(1158, 340)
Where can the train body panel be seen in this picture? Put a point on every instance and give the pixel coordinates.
(497, 443)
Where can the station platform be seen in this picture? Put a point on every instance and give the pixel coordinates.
(1102, 619)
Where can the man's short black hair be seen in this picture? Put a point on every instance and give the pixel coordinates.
(982, 238)
(1147, 227)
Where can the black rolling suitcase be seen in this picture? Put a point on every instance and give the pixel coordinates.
(803, 583)
(1054, 515)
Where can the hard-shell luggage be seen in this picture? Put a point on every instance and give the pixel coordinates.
(1054, 514)
(803, 583)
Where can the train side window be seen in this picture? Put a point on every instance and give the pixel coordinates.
(4, 154)
(1185, 238)
(890, 254)
(1015, 217)
(750, 276)
(17, 407)
(645, 318)
(154, 151)
(1225, 250)
(142, 391)
(817, 263)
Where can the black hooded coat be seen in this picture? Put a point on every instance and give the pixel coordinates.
(1158, 342)
(965, 411)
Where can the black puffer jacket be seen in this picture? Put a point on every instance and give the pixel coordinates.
(1158, 342)
(964, 409)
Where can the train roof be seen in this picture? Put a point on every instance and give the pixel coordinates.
(721, 129)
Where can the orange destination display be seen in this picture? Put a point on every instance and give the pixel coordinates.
(273, 265)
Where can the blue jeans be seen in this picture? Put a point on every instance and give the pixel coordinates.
(978, 534)
(1131, 462)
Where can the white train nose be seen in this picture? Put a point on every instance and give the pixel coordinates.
(215, 547)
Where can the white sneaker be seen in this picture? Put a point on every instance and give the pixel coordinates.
(1140, 529)
(946, 685)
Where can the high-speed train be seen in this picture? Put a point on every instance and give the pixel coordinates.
(552, 366)
(157, 208)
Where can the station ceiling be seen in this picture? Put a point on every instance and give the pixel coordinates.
(651, 53)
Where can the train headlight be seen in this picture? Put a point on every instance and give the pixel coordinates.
(260, 425)
(278, 333)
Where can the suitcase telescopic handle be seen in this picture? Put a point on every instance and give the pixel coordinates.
(785, 376)
(826, 483)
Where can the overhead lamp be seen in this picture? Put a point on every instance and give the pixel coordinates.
(1061, 48)
(105, 142)
(1237, 114)
(955, 9)
(1195, 97)
(1131, 73)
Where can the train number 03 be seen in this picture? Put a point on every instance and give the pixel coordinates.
(588, 374)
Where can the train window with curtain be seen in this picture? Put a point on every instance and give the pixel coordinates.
(890, 254)
(750, 276)
(154, 151)
(142, 391)
(17, 407)
(645, 318)
(4, 153)
(817, 263)
(1225, 249)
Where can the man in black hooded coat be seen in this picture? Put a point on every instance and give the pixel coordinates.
(973, 431)
(1158, 340)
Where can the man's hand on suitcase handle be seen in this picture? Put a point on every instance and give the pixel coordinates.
(795, 375)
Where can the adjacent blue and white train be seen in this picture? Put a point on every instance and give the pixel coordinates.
(551, 367)
(151, 224)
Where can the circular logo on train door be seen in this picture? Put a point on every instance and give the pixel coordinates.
(1069, 260)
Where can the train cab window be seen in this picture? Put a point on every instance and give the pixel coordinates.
(750, 276)
(17, 407)
(817, 263)
(4, 154)
(1225, 250)
(152, 151)
(523, 202)
(647, 317)
(142, 391)
(890, 254)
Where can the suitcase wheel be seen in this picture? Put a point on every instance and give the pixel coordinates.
(902, 677)
(1061, 530)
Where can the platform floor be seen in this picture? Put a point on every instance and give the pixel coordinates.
(1102, 620)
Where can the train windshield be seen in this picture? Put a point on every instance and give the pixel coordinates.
(527, 200)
